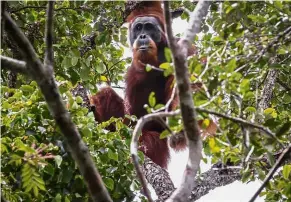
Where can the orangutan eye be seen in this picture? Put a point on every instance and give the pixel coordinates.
(138, 27)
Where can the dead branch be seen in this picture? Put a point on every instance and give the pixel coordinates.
(46, 82)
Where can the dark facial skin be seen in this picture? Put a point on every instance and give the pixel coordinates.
(143, 31)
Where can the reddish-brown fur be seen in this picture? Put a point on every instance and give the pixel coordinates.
(139, 85)
(107, 104)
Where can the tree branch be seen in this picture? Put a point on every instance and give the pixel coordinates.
(46, 82)
(284, 85)
(241, 121)
(196, 19)
(49, 53)
(268, 89)
(275, 41)
(192, 132)
(217, 176)
(11, 64)
(282, 157)
(159, 178)
(134, 145)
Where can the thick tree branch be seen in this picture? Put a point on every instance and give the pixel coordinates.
(159, 178)
(281, 159)
(46, 82)
(268, 89)
(196, 19)
(13, 65)
(213, 178)
(217, 176)
(192, 132)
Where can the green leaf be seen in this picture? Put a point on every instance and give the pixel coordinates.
(270, 112)
(67, 199)
(58, 198)
(58, 160)
(152, 99)
(168, 55)
(287, 98)
(217, 38)
(79, 99)
(85, 71)
(250, 109)
(100, 68)
(86, 132)
(49, 169)
(148, 68)
(35, 191)
(159, 106)
(286, 171)
(211, 143)
(164, 134)
(284, 129)
(246, 175)
(66, 63)
(244, 85)
(271, 158)
(109, 183)
(165, 65)
(257, 18)
(27, 88)
(112, 155)
(231, 65)
(278, 4)
(74, 61)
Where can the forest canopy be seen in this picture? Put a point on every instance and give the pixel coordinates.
(242, 66)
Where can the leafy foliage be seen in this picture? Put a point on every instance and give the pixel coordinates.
(36, 163)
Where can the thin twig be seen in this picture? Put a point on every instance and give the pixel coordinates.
(284, 85)
(166, 107)
(134, 145)
(28, 7)
(108, 73)
(166, 126)
(171, 98)
(44, 7)
(13, 65)
(207, 65)
(110, 68)
(271, 44)
(241, 121)
(272, 171)
(49, 53)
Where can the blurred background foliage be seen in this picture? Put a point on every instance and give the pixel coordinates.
(89, 48)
